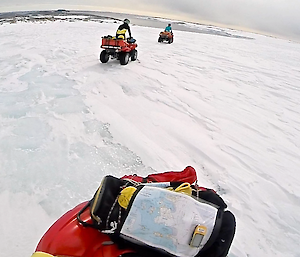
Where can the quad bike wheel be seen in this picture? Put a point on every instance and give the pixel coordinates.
(104, 56)
(160, 39)
(134, 55)
(124, 58)
(170, 40)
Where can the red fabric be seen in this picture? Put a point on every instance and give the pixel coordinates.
(204, 188)
(133, 177)
(187, 175)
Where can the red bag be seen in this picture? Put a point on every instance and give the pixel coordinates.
(187, 175)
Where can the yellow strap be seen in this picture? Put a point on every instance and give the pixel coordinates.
(125, 196)
(184, 188)
(41, 254)
(94, 203)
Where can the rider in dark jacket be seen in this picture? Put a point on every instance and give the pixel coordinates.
(122, 30)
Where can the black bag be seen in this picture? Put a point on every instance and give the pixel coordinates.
(110, 218)
(103, 206)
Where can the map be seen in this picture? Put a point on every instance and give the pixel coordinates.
(167, 219)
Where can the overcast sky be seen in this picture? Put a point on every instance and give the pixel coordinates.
(277, 17)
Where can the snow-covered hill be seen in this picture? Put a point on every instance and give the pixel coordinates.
(228, 106)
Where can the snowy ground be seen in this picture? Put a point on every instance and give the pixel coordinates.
(227, 106)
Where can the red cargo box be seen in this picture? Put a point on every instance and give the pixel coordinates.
(113, 42)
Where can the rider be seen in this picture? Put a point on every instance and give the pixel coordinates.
(122, 30)
(168, 28)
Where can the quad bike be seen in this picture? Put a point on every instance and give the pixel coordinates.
(120, 49)
(166, 36)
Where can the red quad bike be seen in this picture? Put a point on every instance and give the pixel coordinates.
(166, 36)
(68, 237)
(120, 49)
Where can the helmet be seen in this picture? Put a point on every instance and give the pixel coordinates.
(169, 24)
(127, 21)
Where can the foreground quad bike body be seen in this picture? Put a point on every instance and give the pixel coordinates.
(68, 237)
(120, 49)
(166, 36)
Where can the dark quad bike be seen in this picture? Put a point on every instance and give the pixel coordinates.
(166, 36)
(121, 49)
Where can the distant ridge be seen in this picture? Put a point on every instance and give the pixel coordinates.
(145, 21)
(58, 12)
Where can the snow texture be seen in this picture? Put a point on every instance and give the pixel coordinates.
(228, 106)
